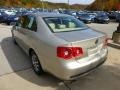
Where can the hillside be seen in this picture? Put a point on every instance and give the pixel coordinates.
(106, 5)
(97, 5)
(37, 3)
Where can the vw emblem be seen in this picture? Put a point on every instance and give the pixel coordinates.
(96, 42)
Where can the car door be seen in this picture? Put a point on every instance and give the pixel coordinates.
(28, 32)
(18, 31)
(21, 31)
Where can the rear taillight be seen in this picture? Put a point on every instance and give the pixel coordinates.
(64, 52)
(77, 51)
(69, 52)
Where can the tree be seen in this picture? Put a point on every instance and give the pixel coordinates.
(107, 5)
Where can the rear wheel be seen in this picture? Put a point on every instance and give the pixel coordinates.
(36, 63)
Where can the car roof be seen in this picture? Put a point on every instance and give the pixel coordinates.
(41, 14)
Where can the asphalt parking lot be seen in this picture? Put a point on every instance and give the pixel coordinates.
(106, 28)
(16, 72)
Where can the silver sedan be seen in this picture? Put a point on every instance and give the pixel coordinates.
(60, 44)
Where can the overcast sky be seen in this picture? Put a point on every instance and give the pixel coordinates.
(72, 1)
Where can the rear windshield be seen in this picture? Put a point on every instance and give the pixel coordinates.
(64, 24)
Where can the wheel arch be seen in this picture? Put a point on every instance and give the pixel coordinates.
(41, 61)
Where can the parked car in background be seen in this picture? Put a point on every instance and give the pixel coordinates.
(112, 15)
(1, 17)
(86, 18)
(9, 12)
(118, 17)
(8, 16)
(93, 15)
(102, 18)
(70, 12)
(60, 44)
(11, 19)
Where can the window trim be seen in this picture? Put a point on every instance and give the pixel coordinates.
(47, 24)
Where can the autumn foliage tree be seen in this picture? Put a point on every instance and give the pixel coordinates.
(97, 5)
(107, 5)
(37, 3)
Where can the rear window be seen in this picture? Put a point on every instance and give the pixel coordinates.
(64, 24)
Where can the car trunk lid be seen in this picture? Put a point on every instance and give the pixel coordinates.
(91, 41)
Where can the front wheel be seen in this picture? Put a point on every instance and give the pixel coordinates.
(36, 63)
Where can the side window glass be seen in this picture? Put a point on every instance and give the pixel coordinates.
(32, 24)
(25, 21)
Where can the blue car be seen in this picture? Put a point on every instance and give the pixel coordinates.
(118, 17)
(102, 18)
(84, 17)
(2, 17)
(11, 19)
(93, 15)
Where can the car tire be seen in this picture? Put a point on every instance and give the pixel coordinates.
(36, 63)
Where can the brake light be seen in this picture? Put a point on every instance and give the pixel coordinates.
(77, 51)
(69, 52)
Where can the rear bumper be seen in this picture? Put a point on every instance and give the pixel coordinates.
(90, 70)
(82, 67)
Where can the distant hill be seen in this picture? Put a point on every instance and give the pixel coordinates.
(106, 5)
(97, 5)
(37, 3)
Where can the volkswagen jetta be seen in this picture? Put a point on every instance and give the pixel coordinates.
(60, 44)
